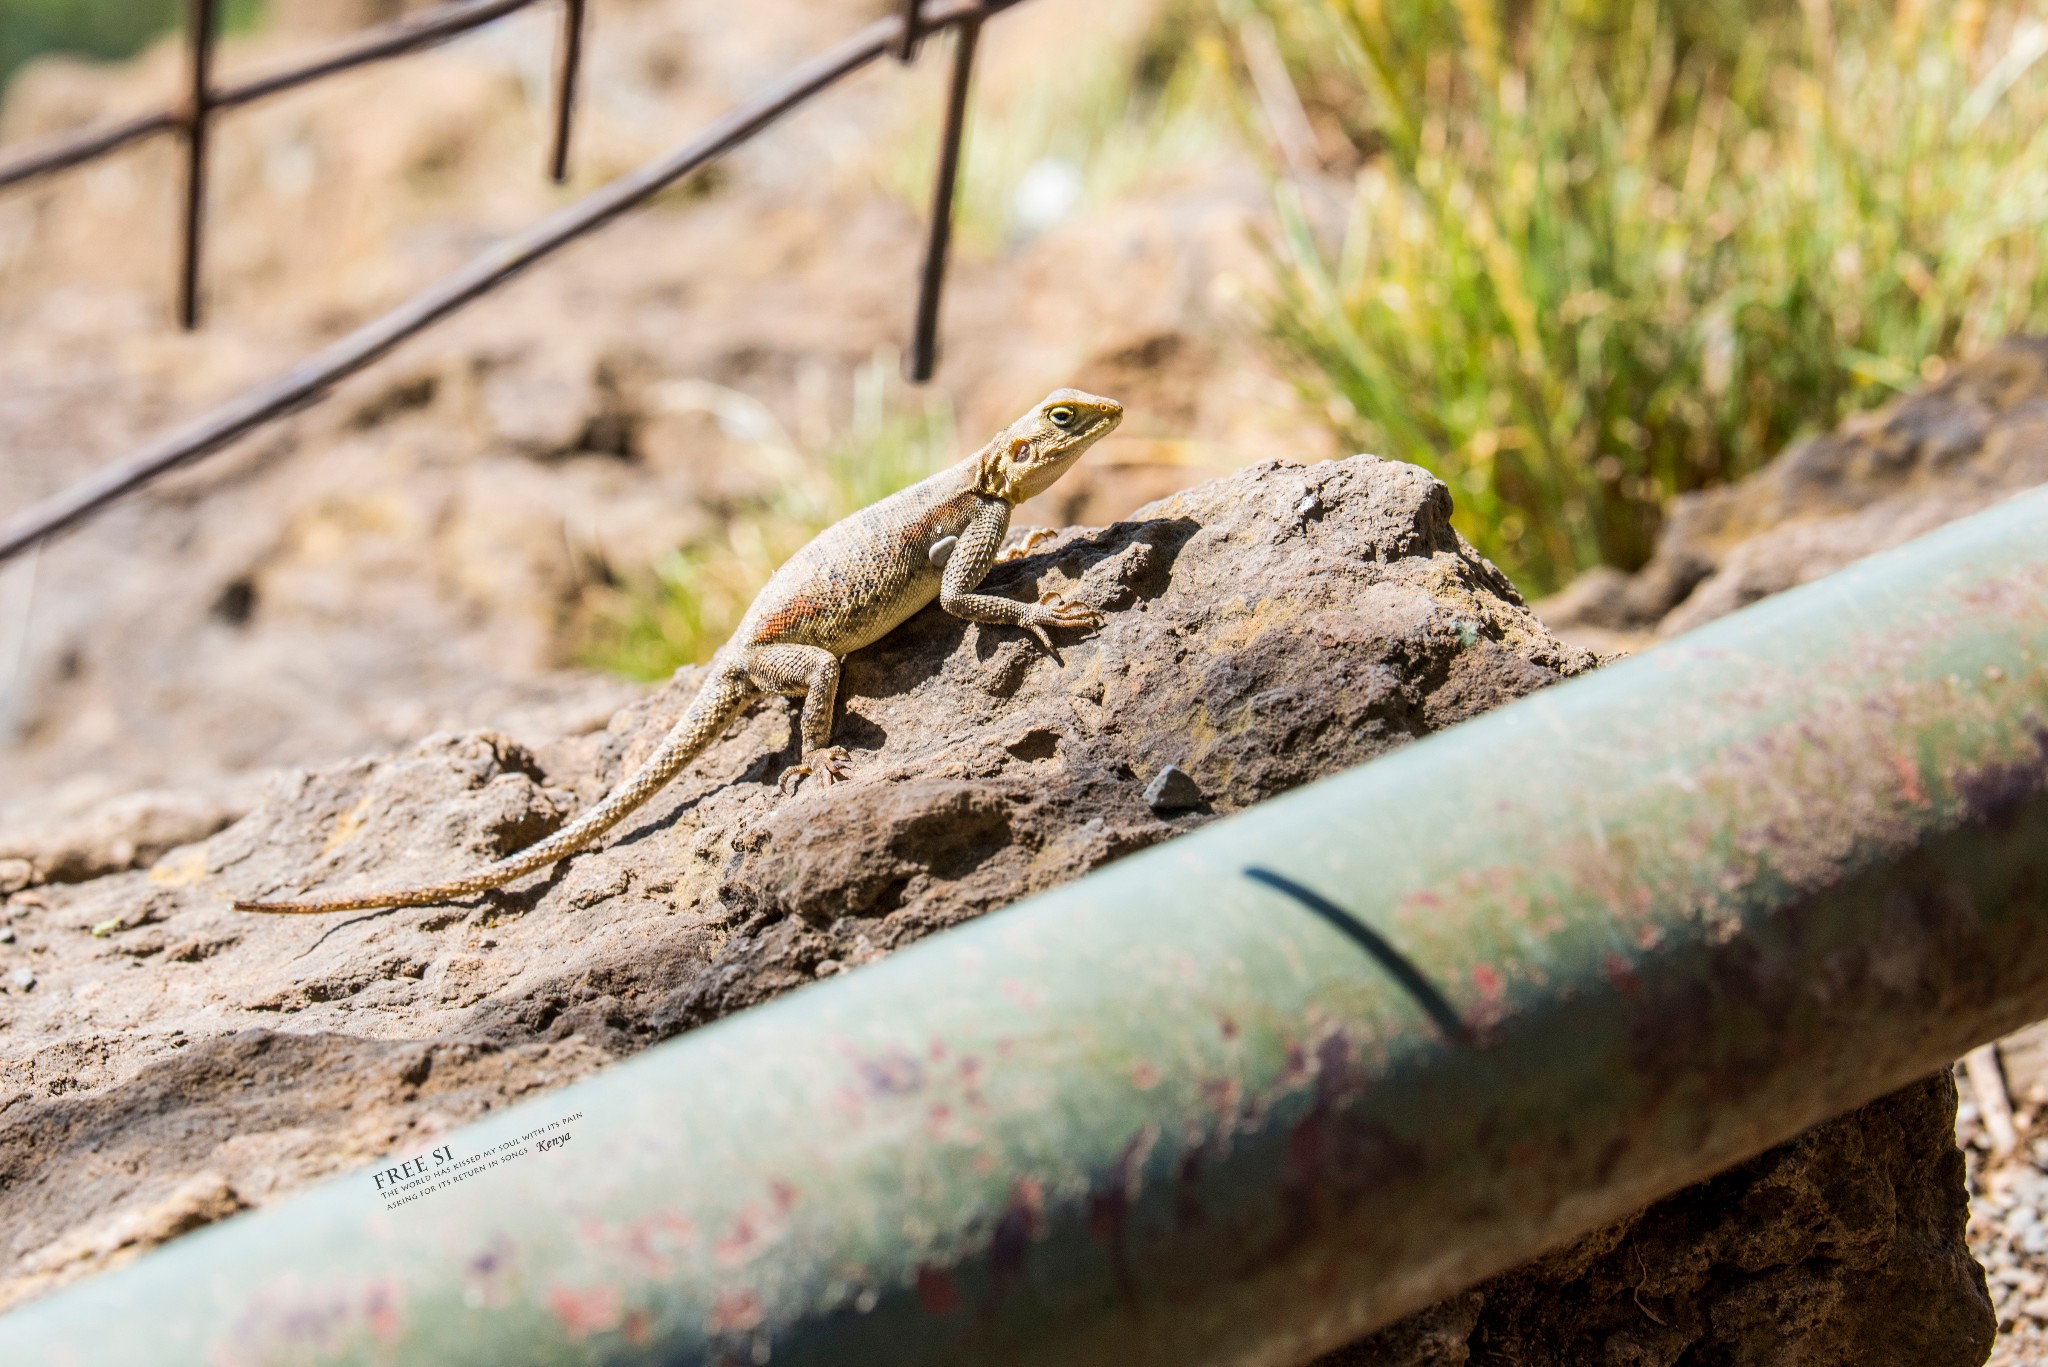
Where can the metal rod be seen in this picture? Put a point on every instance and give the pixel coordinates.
(567, 65)
(75, 149)
(421, 30)
(1242, 1097)
(924, 343)
(424, 29)
(296, 387)
(198, 116)
(913, 31)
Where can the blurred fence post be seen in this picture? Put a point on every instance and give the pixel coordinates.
(568, 65)
(925, 335)
(198, 113)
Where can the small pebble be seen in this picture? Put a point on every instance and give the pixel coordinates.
(6, 935)
(827, 967)
(1171, 790)
(22, 978)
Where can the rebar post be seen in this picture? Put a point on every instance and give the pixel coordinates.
(913, 31)
(925, 336)
(568, 65)
(198, 113)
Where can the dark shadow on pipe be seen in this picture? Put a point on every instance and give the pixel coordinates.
(1397, 964)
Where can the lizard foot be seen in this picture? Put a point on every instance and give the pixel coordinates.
(826, 764)
(1054, 610)
(1030, 542)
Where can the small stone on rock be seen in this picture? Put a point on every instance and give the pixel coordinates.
(15, 874)
(22, 978)
(1171, 790)
(6, 935)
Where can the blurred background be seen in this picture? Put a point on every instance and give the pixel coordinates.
(1579, 257)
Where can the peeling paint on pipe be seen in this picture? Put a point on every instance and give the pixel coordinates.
(1245, 1096)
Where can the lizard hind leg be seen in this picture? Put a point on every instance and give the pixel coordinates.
(810, 673)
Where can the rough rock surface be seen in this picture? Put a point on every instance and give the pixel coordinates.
(1978, 436)
(165, 1060)
(1844, 1245)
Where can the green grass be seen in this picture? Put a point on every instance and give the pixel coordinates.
(1620, 249)
(698, 593)
(104, 29)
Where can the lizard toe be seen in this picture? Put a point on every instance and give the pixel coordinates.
(1030, 542)
(1060, 611)
(825, 767)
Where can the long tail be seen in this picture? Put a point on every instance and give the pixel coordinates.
(713, 709)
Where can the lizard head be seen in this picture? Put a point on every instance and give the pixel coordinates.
(1032, 452)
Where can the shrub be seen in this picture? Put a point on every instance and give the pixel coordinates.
(1599, 252)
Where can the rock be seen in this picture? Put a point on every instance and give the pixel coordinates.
(1246, 645)
(1171, 790)
(1251, 649)
(22, 979)
(120, 833)
(1883, 478)
(1844, 1245)
(198, 1201)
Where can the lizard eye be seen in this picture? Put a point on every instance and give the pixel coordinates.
(1062, 416)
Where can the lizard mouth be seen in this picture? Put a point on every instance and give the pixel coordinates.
(1102, 420)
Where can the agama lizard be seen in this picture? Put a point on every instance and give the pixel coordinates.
(855, 582)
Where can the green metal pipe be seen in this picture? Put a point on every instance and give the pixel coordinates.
(1479, 997)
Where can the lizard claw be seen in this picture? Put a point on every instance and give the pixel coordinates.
(1052, 610)
(1030, 542)
(1056, 610)
(827, 764)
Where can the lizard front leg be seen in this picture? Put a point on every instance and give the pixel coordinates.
(811, 673)
(971, 561)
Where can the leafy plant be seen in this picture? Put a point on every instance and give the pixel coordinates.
(699, 592)
(1599, 252)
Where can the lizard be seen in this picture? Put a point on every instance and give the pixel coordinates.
(851, 585)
